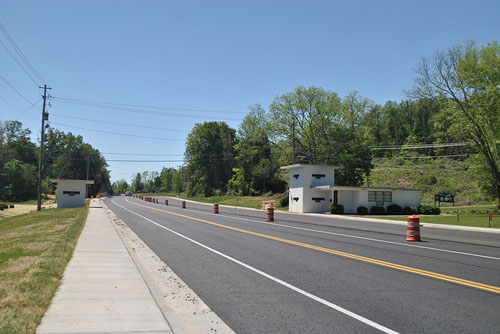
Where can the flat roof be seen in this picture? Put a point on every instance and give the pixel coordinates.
(71, 181)
(304, 165)
(359, 188)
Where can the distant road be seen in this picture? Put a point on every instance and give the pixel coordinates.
(304, 274)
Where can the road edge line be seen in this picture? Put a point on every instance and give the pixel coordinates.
(174, 319)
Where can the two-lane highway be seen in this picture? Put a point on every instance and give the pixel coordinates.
(296, 276)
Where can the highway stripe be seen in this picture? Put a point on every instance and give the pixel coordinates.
(273, 278)
(354, 236)
(426, 273)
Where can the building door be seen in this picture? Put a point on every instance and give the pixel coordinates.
(335, 197)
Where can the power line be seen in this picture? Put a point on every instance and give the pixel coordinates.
(399, 147)
(15, 59)
(147, 107)
(146, 154)
(23, 112)
(140, 111)
(21, 55)
(15, 90)
(118, 134)
(116, 123)
(145, 160)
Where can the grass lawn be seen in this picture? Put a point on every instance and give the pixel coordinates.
(34, 250)
(254, 202)
(465, 219)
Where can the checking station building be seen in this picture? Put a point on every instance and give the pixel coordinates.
(312, 189)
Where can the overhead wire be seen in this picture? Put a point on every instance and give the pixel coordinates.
(19, 64)
(21, 54)
(15, 90)
(141, 111)
(117, 133)
(148, 107)
(117, 123)
(401, 147)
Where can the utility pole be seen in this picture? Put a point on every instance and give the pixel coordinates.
(45, 117)
(293, 139)
(86, 185)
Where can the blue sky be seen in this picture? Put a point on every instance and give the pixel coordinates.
(215, 56)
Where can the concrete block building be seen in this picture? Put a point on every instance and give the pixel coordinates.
(312, 189)
(71, 193)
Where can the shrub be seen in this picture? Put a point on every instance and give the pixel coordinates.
(338, 209)
(394, 209)
(377, 210)
(284, 201)
(409, 210)
(362, 210)
(429, 210)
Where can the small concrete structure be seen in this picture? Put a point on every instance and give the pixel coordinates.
(312, 189)
(71, 193)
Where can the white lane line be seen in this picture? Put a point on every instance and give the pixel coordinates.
(356, 237)
(277, 280)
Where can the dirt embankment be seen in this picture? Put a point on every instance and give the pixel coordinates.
(19, 209)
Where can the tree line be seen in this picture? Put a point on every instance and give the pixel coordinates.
(65, 157)
(455, 99)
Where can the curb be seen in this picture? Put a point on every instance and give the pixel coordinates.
(361, 219)
(168, 290)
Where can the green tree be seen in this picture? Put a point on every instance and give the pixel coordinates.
(257, 157)
(120, 186)
(306, 116)
(178, 180)
(67, 157)
(466, 81)
(137, 183)
(18, 181)
(328, 130)
(166, 179)
(210, 157)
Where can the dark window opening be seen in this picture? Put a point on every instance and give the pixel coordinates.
(296, 199)
(318, 199)
(71, 193)
(318, 176)
(296, 176)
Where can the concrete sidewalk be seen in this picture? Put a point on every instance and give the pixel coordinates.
(102, 290)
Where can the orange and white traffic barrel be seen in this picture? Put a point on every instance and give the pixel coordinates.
(183, 204)
(216, 207)
(413, 228)
(166, 202)
(270, 214)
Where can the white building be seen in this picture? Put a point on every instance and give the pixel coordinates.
(312, 189)
(71, 193)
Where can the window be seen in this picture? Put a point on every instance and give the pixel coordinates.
(296, 199)
(380, 197)
(318, 199)
(296, 176)
(71, 193)
(318, 176)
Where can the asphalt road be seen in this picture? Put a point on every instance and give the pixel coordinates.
(306, 274)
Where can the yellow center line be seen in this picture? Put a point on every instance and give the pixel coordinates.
(452, 279)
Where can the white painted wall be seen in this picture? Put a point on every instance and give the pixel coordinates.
(65, 200)
(359, 198)
(301, 180)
